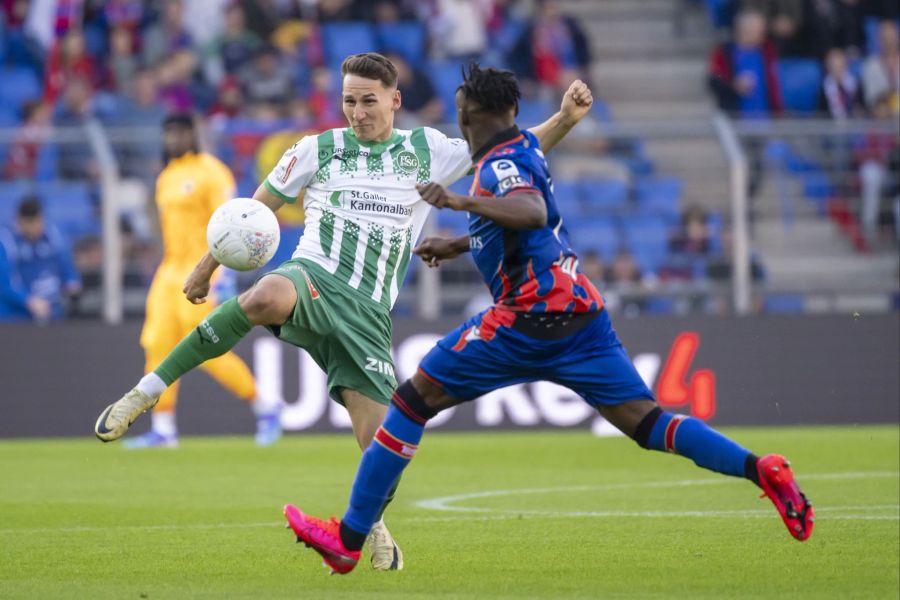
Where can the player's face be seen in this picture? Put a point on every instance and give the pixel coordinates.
(178, 141)
(369, 107)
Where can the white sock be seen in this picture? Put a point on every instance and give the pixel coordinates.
(164, 423)
(152, 385)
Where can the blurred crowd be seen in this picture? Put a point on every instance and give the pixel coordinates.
(853, 42)
(260, 73)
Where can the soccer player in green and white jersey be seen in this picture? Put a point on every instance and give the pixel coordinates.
(363, 216)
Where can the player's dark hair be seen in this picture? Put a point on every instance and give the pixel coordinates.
(495, 90)
(30, 207)
(371, 65)
(179, 120)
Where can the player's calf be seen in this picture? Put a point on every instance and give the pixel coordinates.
(694, 439)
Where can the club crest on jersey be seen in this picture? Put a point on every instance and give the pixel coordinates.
(407, 162)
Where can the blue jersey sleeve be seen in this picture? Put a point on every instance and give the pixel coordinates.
(504, 175)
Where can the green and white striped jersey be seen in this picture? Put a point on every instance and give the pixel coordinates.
(363, 213)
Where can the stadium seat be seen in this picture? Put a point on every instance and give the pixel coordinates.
(566, 193)
(11, 193)
(599, 234)
(647, 238)
(873, 40)
(20, 85)
(800, 83)
(446, 77)
(659, 305)
(532, 111)
(660, 195)
(406, 38)
(720, 12)
(70, 205)
(350, 37)
(714, 225)
(783, 304)
(47, 162)
(603, 195)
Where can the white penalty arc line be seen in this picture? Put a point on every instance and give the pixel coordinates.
(448, 503)
(462, 513)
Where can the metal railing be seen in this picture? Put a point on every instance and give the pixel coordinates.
(710, 156)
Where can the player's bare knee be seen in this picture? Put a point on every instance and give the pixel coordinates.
(632, 418)
(270, 302)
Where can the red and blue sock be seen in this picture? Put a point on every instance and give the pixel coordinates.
(382, 464)
(694, 439)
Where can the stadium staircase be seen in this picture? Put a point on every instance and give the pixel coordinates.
(651, 63)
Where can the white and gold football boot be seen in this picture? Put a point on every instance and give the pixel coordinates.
(115, 420)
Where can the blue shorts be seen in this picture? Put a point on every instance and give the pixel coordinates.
(485, 353)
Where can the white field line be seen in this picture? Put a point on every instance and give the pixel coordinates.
(447, 503)
(489, 514)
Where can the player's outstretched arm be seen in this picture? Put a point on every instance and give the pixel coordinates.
(196, 288)
(522, 210)
(434, 250)
(576, 103)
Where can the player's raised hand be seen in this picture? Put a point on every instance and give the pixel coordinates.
(577, 101)
(433, 250)
(438, 196)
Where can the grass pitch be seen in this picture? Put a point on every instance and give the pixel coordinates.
(514, 515)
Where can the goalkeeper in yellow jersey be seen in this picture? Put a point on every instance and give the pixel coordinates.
(190, 187)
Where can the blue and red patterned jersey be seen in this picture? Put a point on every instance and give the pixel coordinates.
(536, 270)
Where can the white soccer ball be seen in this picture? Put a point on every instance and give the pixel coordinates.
(243, 234)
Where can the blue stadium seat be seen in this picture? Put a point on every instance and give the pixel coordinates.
(532, 111)
(47, 162)
(446, 77)
(714, 225)
(800, 82)
(11, 193)
(406, 38)
(603, 195)
(600, 235)
(659, 305)
(20, 85)
(873, 42)
(659, 195)
(783, 304)
(647, 238)
(350, 37)
(70, 205)
(720, 12)
(567, 194)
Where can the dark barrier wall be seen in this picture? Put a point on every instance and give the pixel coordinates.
(755, 371)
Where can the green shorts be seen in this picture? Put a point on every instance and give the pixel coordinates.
(347, 335)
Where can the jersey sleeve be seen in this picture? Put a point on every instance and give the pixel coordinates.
(450, 157)
(503, 176)
(294, 171)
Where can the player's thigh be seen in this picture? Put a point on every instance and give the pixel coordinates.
(607, 379)
(271, 300)
(474, 359)
(308, 314)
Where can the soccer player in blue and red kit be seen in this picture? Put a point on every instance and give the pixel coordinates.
(548, 323)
